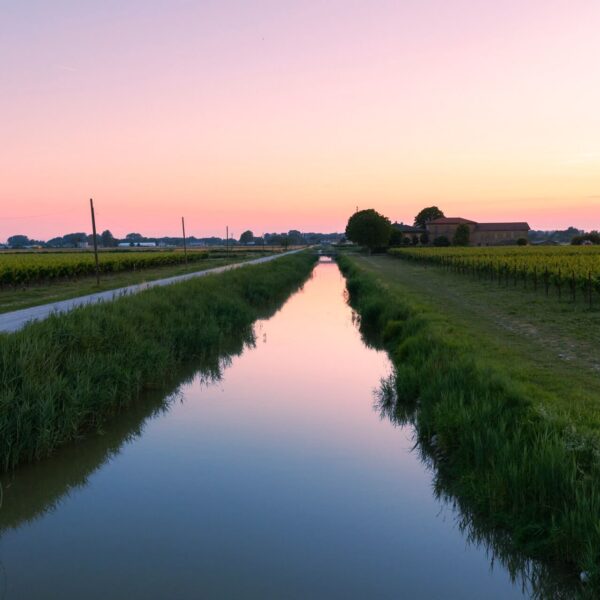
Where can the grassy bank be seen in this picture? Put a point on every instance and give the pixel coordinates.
(68, 374)
(503, 445)
(16, 297)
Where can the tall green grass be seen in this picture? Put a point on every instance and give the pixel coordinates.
(510, 462)
(68, 374)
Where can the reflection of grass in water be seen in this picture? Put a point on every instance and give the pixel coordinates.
(537, 579)
(67, 375)
(525, 471)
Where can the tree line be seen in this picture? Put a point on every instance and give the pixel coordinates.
(107, 240)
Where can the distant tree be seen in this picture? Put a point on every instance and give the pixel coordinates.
(134, 237)
(18, 241)
(462, 235)
(441, 240)
(274, 239)
(428, 214)
(72, 240)
(246, 237)
(424, 238)
(107, 239)
(395, 238)
(296, 238)
(593, 237)
(369, 228)
(56, 242)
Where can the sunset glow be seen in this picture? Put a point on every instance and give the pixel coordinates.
(277, 115)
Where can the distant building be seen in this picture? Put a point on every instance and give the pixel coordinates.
(481, 234)
(137, 244)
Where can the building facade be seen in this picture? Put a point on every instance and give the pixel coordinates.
(481, 234)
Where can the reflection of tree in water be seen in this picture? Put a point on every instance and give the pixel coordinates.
(537, 579)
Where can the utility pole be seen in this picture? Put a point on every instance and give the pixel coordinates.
(95, 242)
(227, 239)
(184, 243)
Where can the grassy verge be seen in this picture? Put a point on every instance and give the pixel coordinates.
(18, 297)
(502, 445)
(69, 373)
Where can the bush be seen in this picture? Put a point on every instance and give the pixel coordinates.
(462, 235)
(441, 240)
(522, 242)
(424, 238)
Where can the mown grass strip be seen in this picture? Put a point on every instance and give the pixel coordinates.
(522, 469)
(66, 375)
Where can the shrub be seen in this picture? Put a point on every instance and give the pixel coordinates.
(441, 240)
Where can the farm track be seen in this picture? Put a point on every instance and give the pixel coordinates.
(15, 320)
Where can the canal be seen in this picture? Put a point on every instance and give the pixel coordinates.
(278, 478)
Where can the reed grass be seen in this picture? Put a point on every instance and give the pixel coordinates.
(65, 376)
(521, 468)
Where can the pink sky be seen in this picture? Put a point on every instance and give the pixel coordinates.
(274, 115)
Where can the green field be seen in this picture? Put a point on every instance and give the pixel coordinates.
(503, 388)
(573, 271)
(141, 266)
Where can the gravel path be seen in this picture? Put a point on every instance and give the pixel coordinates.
(13, 321)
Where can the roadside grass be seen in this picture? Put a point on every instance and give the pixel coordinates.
(18, 297)
(507, 446)
(65, 376)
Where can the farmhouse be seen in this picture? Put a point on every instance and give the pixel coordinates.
(481, 234)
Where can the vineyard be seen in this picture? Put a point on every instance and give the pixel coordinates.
(567, 271)
(17, 269)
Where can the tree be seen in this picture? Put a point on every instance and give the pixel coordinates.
(296, 238)
(134, 237)
(462, 235)
(369, 228)
(74, 239)
(107, 239)
(441, 240)
(18, 241)
(246, 237)
(426, 215)
(424, 238)
(395, 238)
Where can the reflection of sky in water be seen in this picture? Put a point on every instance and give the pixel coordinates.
(280, 481)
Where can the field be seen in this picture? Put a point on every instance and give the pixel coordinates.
(28, 268)
(129, 267)
(502, 388)
(571, 270)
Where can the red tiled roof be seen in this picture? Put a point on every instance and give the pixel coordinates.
(502, 226)
(450, 221)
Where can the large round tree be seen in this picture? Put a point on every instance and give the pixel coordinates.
(369, 228)
(428, 214)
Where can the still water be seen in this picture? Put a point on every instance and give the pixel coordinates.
(280, 480)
